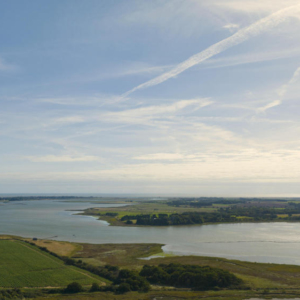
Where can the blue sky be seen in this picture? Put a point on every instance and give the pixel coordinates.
(167, 97)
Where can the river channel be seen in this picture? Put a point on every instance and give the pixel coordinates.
(257, 242)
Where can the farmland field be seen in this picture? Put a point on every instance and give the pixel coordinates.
(22, 265)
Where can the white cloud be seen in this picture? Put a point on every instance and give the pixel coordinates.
(231, 27)
(239, 37)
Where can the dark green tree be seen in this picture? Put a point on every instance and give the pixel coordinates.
(74, 287)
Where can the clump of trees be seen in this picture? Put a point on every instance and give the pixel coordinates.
(129, 280)
(111, 214)
(190, 276)
(8, 294)
(11, 294)
(74, 287)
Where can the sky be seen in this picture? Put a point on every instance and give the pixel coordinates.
(162, 97)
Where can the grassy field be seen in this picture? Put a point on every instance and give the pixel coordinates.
(22, 265)
(60, 248)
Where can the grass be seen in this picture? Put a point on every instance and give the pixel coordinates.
(244, 218)
(282, 216)
(60, 248)
(22, 265)
(122, 255)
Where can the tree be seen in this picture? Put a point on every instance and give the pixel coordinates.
(95, 287)
(123, 288)
(74, 287)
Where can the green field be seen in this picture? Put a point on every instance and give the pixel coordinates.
(22, 265)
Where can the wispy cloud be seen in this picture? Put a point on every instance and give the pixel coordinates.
(282, 91)
(269, 105)
(161, 156)
(248, 58)
(250, 165)
(62, 158)
(231, 27)
(95, 101)
(250, 6)
(4, 66)
(239, 37)
(143, 114)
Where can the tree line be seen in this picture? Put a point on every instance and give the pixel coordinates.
(230, 214)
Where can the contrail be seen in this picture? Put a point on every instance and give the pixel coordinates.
(281, 92)
(239, 37)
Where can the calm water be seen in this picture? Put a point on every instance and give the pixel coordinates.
(259, 242)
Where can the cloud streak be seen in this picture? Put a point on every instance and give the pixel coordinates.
(239, 37)
(281, 92)
(149, 113)
(62, 158)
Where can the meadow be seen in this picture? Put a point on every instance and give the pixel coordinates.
(22, 265)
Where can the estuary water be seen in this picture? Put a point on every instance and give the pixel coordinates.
(257, 242)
